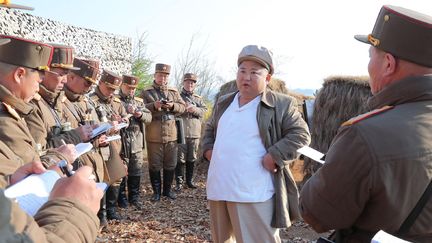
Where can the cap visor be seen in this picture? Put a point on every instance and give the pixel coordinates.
(362, 38)
(17, 6)
(73, 68)
(254, 59)
(4, 41)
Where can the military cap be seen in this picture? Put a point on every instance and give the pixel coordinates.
(257, 54)
(130, 80)
(111, 79)
(162, 68)
(190, 76)
(4, 41)
(404, 33)
(88, 69)
(63, 57)
(26, 53)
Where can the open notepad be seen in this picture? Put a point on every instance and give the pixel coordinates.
(101, 129)
(32, 192)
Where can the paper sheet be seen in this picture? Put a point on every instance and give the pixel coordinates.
(32, 192)
(112, 138)
(83, 148)
(384, 237)
(121, 125)
(312, 153)
(102, 128)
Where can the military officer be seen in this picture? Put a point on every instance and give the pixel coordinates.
(79, 111)
(132, 140)
(110, 109)
(45, 122)
(22, 63)
(195, 110)
(161, 134)
(377, 173)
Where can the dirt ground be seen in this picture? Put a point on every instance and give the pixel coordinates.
(184, 219)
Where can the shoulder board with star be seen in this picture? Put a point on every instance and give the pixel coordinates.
(11, 111)
(364, 116)
(37, 97)
(93, 97)
(138, 99)
(116, 99)
(172, 89)
(64, 99)
(148, 88)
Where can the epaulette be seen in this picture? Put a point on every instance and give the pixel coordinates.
(172, 89)
(148, 88)
(197, 96)
(85, 98)
(138, 99)
(64, 99)
(37, 97)
(94, 97)
(364, 116)
(116, 99)
(11, 111)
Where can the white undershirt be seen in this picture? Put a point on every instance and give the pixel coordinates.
(236, 173)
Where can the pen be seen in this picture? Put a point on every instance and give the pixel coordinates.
(65, 170)
(63, 165)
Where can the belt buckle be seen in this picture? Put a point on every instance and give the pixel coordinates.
(165, 118)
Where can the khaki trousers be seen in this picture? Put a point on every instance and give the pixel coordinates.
(242, 222)
(162, 155)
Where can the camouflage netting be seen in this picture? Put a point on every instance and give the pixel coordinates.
(340, 98)
(276, 85)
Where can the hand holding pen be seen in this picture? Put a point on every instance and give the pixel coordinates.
(79, 188)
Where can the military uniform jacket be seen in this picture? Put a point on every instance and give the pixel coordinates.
(15, 133)
(162, 129)
(192, 121)
(133, 136)
(10, 162)
(378, 166)
(60, 220)
(78, 110)
(112, 154)
(45, 122)
(283, 131)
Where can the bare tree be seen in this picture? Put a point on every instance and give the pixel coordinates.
(194, 59)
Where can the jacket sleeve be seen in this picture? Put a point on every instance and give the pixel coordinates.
(209, 134)
(146, 117)
(59, 220)
(69, 137)
(179, 105)
(294, 135)
(336, 194)
(200, 109)
(37, 126)
(148, 100)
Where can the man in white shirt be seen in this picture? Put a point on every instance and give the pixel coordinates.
(250, 139)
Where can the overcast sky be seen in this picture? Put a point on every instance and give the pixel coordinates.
(311, 40)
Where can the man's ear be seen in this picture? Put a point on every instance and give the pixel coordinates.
(391, 64)
(18, 74)
(268, 78)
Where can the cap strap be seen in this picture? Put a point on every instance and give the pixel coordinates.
(43, 68)
(374, 41)
(61, 65)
